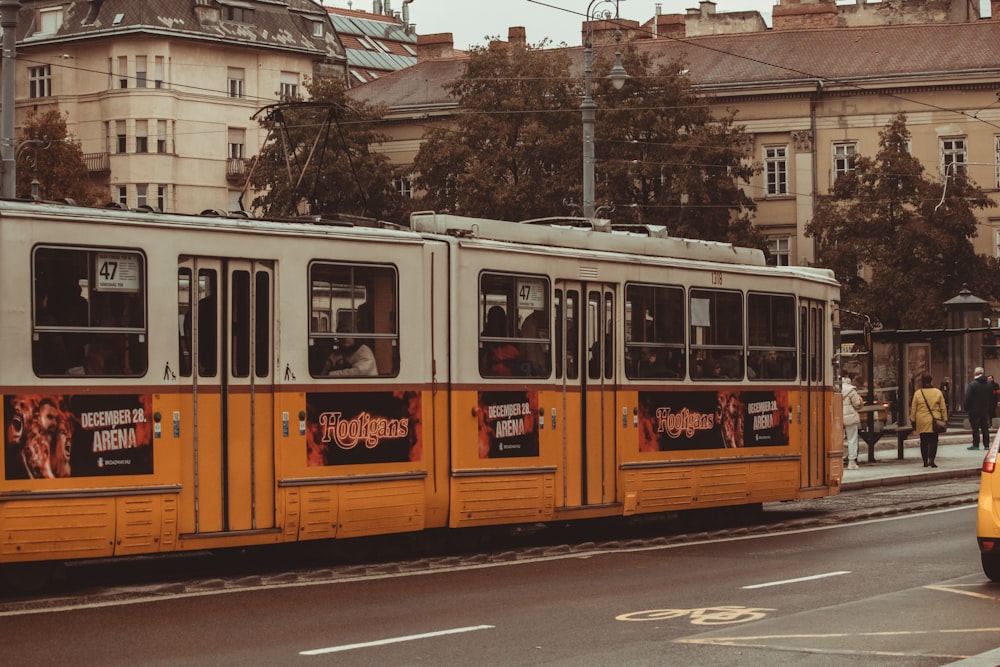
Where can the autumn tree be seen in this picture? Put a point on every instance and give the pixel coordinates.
(899, 242)
(318, 158)
(49, 155)
(513, 151)
(665, 159)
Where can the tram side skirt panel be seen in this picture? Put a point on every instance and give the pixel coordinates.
(53, 529)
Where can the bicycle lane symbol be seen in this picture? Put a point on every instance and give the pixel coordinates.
(721, 615)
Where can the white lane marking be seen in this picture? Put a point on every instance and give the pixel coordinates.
(795, 581)
(145, 599)
(394, 640)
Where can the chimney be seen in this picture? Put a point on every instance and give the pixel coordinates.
(517, 36)
(440, 45)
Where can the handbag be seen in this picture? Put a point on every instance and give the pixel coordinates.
(939, 425)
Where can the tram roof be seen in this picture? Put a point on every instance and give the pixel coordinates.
(596, 234)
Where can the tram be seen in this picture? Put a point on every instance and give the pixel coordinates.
(176, 383)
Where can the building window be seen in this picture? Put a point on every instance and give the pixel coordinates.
(237, 76)
(161, 197)
(952, 153)
(40, 81)
(317, 28)
(776, 170)
(779, 251)
(141, 194)
(843, 158)
(122, 194)
(996, 155)
(141, 136)
(122, 71)
(161, 136)
(289, 85)
(238, 14)
(158, 72)
(120, 135)
(404, 186)
(237, 141)
(140, 71)
(996, 242)
(49, 21)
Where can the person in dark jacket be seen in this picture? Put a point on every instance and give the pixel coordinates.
(978, 398)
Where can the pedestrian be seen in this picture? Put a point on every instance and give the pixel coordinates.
(852, 401)
(978, 396)
(946, 390)
(993, 403)
(927, 405)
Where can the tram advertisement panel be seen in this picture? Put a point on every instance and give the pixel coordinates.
(363, 427)
(674, 421)
(50, 436)
(508, 424)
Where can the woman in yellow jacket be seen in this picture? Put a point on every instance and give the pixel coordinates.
(927, 405)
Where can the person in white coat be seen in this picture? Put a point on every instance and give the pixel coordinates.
(852, 401)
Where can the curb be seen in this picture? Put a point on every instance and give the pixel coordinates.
(910, 479)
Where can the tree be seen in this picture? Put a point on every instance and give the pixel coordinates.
(319, 161)
(513, 151)
(667, 161)
(900, 243)
(50, 155)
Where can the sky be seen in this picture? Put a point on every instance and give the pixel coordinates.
(470, 21)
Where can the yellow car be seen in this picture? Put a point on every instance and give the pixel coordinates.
(988, 517)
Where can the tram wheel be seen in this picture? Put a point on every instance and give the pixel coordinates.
(29, 577)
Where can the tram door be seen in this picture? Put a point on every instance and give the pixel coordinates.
(585, 368)
(226, 311)
(815, 424)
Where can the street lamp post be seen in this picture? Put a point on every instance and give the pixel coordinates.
(8, 21)
(588, 108)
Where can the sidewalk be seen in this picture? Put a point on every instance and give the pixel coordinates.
(953, 460)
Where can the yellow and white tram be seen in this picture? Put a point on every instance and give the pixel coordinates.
(175, 382)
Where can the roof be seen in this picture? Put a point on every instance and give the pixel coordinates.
(287, 25)
(375, 44)
(747, 60)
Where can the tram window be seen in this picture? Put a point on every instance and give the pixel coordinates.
(89, 312)
(204, 294)
(262, 328)
(654, 332)
(600, 336)
(716, 334)
(240, 323)
(515, 323)
(567, 329)
(771, 337)
(353, 328)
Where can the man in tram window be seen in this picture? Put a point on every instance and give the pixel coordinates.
(535, 355)
(350, 358)
(651, 364)
(62, 304)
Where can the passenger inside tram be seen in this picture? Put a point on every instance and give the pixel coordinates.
(497, 358)
(350, 358)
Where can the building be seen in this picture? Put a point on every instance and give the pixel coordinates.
(376, 43)
(811, 92)
(161, 93)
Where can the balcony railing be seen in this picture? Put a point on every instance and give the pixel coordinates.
(237, 168)
(97, 163)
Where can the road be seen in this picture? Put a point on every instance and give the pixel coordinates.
(859, 581)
